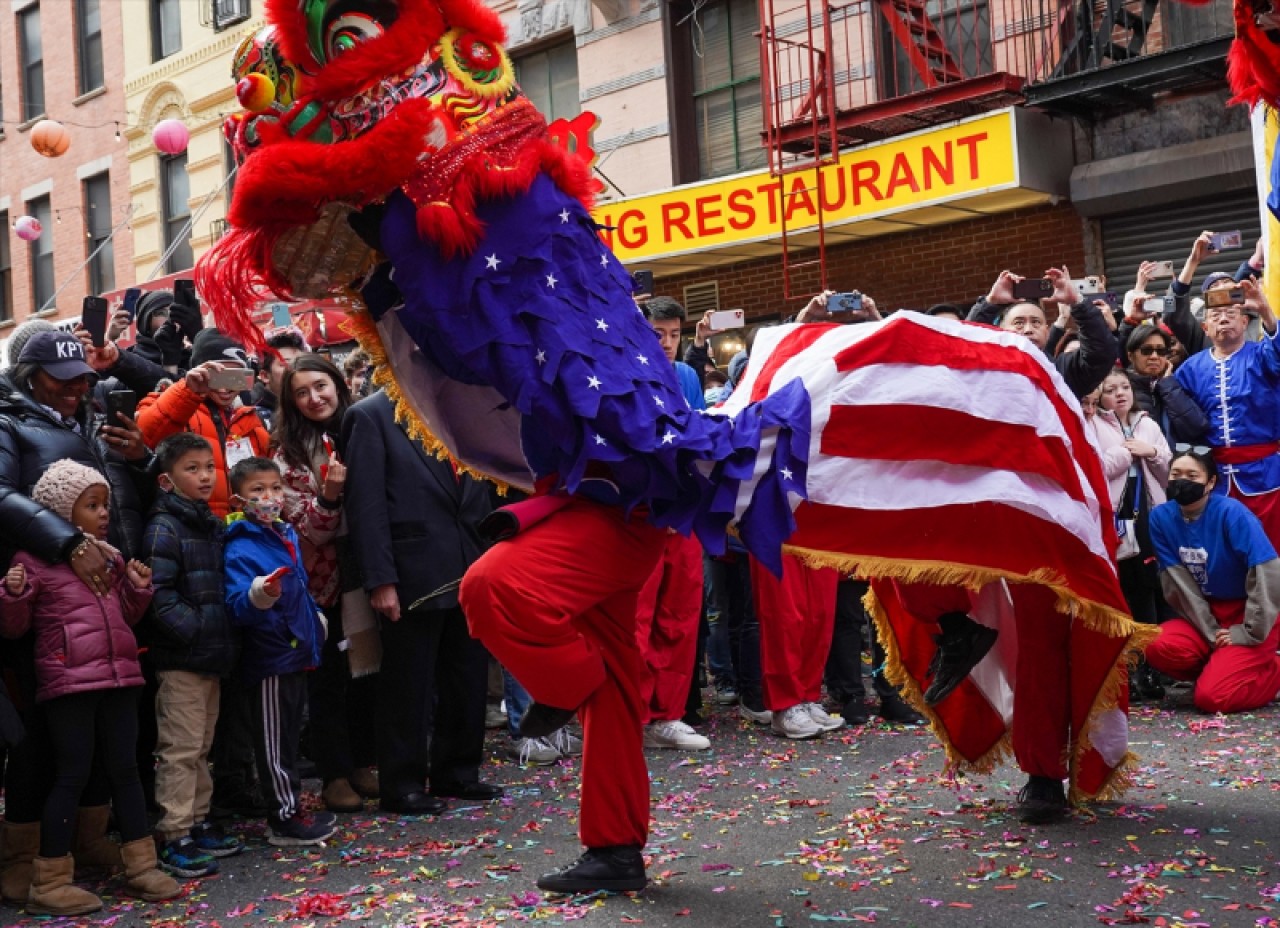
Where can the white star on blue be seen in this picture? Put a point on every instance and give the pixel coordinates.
(551, 281)
(593, 382)
(492, 261)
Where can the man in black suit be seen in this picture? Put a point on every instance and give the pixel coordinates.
(412, 521)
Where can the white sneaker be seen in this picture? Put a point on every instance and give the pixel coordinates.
(763, 717)
(494, 716)
(536, 751)
(822, 718)
(795, 723)
(566, 742)
(674, 734)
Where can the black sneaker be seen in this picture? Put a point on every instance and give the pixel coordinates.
(300, 830)
(613, 869)
(961, 646)
(215, 842)
(1042, 801)
(893, 708)
(855, 711)
(540, 720)
(182, 858)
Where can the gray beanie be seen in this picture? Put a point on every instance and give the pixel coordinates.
(22, 334)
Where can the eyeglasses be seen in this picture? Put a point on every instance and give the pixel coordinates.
(1201, 450)
(1027, 323)
(1225, 312)
(1153, 349)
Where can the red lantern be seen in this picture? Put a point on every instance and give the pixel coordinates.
(171, 136)
(27, 228)
(50, 138)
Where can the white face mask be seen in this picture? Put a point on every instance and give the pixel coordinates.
(262, 510)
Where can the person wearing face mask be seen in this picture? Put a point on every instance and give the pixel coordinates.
(1221, 575)
(1234, 382)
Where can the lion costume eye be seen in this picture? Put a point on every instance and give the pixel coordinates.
(335, 27)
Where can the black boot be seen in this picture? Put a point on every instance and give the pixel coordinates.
(1042, 801)
(614, 869)
(962, 644)
(893, 708)
(541, 720)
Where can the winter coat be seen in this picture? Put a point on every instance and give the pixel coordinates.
(1178, 415)
(317, 526)
(31, 439)
(1083, 370)
(178, 409)
(190, 625)
(82, 642)
(1117, 459)
(281, 636)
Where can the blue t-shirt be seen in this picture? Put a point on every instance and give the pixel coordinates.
(690, 386)
(1218, 549)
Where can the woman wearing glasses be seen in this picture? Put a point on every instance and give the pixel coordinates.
(1221, 575)
(1155, 390)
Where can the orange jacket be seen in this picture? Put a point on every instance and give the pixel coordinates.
(178, 409)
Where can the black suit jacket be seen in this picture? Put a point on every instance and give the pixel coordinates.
(409, 519)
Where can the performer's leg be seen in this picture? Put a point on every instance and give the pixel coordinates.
(1179, 650)
(667, 629)
(815, 644)
(781, 607)
(1266, 506)
(1042, 688)
(1239, 678)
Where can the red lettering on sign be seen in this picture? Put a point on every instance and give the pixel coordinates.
(675, 216)
(901, 175)
(701, 206)
(770, 192)
(798, 198)
(632, 235)
(971, 142)
(872, 171)
(945, 168)
(743, 213)
(828, 202)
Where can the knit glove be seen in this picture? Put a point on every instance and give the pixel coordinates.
(187, 318)
(172, 345)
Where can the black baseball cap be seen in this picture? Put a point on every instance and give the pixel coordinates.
(58, 354)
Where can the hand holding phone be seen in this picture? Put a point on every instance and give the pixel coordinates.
(1033, 289)
(280, 317)
(1224, 296)
(839, 304)
(237, 379)
(130, 303)
(1222, 241)
(1161, 270)
(93, 316)
(121, 403)
(722, 319)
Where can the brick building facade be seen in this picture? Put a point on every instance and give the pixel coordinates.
(64, 61)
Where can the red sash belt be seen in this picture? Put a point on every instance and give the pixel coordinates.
(1245, 454)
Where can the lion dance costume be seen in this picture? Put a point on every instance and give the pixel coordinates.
(507, 335)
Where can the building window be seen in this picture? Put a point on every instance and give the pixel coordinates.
(962, 26)
(549, 79)
(6, 271)
(175, 192)
(97, 227)
(89, 38)
(229, 12)
(32, 50)
(41, 251)
(166, 28)
(728, 118)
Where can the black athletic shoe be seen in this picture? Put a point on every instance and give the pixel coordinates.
(614, 869)
(1042, 801)
(893, 708)
(855, 711)
(541, 720)
(960, 647)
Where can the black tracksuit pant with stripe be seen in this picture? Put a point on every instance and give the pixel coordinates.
(279, 704)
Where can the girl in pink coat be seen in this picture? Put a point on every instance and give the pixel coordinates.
(87, 684)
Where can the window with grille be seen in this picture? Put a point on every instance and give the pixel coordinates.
(41, 255)
(175, 194)
(31, 49)
(963, 26)
(726, 87)
(89, 44)
(6, 271)
(226, 13)
(97, 227)
(549, 78)
(166, 28)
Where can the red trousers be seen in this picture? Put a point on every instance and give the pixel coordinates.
(1266, 506)
(556, 605)
(669, 613)
(797, 615)
(1236, 678)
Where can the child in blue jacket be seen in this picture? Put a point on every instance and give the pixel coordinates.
(283, 631)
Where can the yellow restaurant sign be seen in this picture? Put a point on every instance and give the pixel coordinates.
(928, 168)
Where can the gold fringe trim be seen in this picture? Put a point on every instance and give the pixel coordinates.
(361, 325)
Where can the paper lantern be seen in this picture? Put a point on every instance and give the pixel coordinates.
(171, 136)
(28, 228)
(50, 138)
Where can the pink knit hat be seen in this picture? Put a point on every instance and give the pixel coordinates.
(62, 485)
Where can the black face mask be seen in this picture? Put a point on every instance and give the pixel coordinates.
(1186, 492)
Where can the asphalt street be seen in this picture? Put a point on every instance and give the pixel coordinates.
(859, 828)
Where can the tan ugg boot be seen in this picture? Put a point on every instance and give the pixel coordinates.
(142, 877)
(19, 845)
(52, 892)
(365, 782)
(338, 796)
(93, 850)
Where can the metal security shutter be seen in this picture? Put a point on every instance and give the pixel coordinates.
(1166, 233)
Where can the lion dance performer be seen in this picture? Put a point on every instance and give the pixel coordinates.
(389, 141)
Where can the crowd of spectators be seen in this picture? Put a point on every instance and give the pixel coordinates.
(223, 573)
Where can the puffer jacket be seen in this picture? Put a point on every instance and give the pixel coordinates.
(190, 627)
(178, 409)
(283, 636)
(82, 642)
(31, 439)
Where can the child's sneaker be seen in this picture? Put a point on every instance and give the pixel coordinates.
(300, 830)
(181, 857)
(215, 842)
